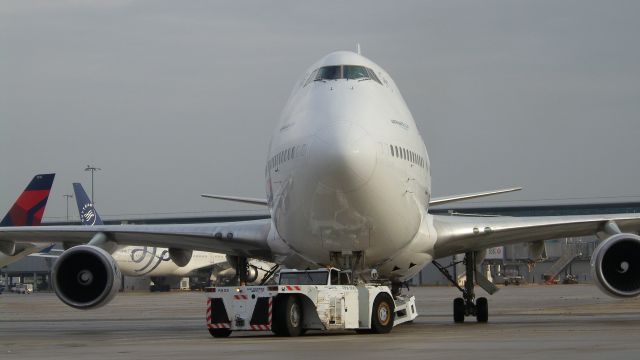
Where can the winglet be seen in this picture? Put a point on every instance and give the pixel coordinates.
(454, 198)
(237, 199)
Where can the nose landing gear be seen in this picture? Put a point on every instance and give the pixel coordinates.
(467, 305)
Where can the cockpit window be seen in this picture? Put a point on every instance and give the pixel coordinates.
(373, 76)
(355, 72)
(349, 72)
(329, 73)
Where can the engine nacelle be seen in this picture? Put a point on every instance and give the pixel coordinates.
(180, 257)
(615, 265)
(257, 270)
(86, 277)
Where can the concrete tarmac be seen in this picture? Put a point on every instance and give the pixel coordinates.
(525, 322)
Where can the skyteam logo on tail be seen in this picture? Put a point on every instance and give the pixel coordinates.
(88, 214)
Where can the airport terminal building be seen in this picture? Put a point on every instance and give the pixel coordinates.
(555, 260)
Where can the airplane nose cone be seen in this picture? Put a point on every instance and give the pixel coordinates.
(344, 156)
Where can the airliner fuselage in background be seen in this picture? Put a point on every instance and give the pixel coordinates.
(348, 184)
(348, 172)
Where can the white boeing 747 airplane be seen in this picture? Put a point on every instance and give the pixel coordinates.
(348, 183)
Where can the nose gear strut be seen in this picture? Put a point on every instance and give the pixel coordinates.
(467, 305)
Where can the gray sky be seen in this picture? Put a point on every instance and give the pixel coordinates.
(176, 98)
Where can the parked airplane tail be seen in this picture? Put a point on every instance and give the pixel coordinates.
(29, 208)
(88, 213)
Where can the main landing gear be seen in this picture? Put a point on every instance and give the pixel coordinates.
(467, 305)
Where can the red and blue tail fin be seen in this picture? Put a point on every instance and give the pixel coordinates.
(29, 208)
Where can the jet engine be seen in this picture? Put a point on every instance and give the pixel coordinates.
(180, 257)
(257, 270)
(86, 277)
(253, 274)
(615, 265)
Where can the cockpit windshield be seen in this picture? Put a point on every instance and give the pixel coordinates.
(354, 72)
(329, 73)
(348, 72)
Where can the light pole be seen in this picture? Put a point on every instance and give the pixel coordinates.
(92, 169)
(67, 196)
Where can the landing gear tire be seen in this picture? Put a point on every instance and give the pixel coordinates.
(287, 317)
(458, 310)
(482, 310)
(382, 314)
(220, 333)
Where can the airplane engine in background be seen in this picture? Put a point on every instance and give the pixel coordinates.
(180, 257)
(615, 265)
(86, 277)
(256, 272)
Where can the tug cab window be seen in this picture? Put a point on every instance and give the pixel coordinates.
(317, 277)
(344, 278)
(335, 277)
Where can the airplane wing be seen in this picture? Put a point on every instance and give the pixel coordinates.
(246, 238)
(461, 197)
(21, 251)
(459, 234)
(245, 200)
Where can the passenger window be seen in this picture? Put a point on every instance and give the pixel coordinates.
(391, 146)
(397, 153)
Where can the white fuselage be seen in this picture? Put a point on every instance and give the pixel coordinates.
(348, 172)
(153, 261)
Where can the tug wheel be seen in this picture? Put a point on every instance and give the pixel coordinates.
(287, 317)
(220, 333)
(382, 314)
(458, 310)
(482, 310)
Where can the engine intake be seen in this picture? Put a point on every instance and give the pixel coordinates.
(180, 257)
(86, 277)
(615, 265)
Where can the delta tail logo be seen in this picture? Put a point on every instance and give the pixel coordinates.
(88, 214)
